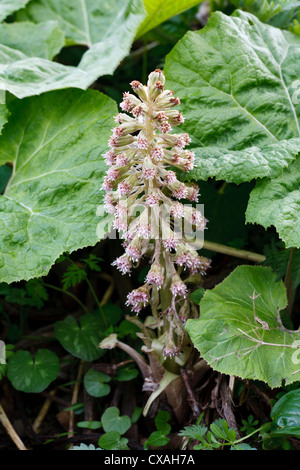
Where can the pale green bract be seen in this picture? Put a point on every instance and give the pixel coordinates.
(239, 331)
(55, 143)
(7, 7)
(277, 203)
(236, 79)
(106, 29)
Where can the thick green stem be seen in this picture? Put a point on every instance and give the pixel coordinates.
(165, 298)
(230, 251)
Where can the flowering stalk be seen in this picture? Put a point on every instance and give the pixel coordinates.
(140, 186)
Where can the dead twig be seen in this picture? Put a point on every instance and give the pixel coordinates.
(226, 397)
(10, 430)
(75, 397)
(43, 412)
(109, 291)
(58, 400)
(111, 369)
(192, 400)
(259, 392)
(215, 394)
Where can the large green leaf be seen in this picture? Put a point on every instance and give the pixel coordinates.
(240, 332)
(35, 40)
(107, 29)
(277, 203)
(26, 76)
(7, 7)
(235, 78)
(158, 12)
(24, 52)
(86, 22)
(32, 375)
(55, 143)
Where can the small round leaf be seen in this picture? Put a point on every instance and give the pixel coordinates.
(95, 383)
(112, 441)
(112, 421)
(81, 340)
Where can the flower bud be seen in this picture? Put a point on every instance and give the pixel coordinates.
(156, 76)
(170, 348)
(138, 298)
(157, 154)
(123, 264)
(129, 102)
(139, 89)
(155, 275)
(178, 287)
(133, 250)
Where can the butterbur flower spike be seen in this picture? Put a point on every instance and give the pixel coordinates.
(143, 154)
